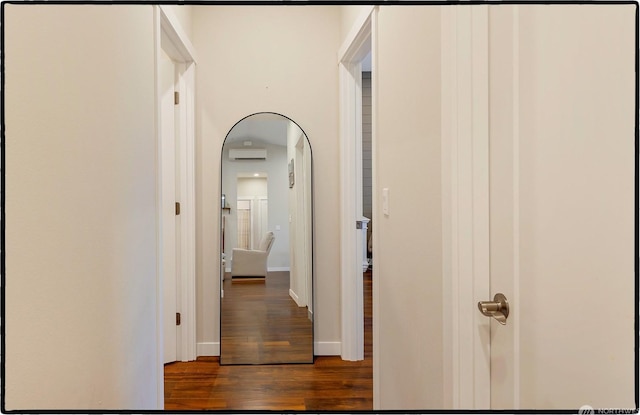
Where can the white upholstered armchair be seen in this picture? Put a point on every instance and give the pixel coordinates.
(252, 263)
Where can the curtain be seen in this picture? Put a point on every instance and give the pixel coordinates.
(244, 228)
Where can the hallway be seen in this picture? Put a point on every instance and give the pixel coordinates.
(504, 160)
(329, 384)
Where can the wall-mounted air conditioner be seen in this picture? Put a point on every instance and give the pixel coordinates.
(247, 154)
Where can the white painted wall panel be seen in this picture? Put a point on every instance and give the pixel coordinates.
(279, 59)
(409, 240)
(81, 327)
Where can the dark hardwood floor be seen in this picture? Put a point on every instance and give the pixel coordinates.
(262, 324)
(329, 384)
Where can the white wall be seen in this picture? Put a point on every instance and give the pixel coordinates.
(184, 15)
(408, 254)
(348, 16)
(252, 186)
(81, 329)
(279, 59)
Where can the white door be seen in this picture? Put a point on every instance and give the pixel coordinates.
(562, 115)
(169, 218)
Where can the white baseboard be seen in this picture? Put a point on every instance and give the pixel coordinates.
(320, 349)
(270, 269)
(294, 296)
(310, 315)
(327, 348)
(208, 349)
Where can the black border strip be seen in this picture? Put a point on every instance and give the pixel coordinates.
(322, 3)
(325, 3)
(637, 212)
(3, 165)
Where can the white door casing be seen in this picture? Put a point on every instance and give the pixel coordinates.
(465, 208)
(168, 197)
(302, 228)
(171, 39)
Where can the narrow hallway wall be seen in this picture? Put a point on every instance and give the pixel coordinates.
(408, 254)
(275, 59)
(81, 260)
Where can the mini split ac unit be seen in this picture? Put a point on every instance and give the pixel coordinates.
(247, 154)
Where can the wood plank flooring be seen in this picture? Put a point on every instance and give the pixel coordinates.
(329, 384)
(262, 324)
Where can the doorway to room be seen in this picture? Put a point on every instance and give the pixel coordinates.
(367, 199)
(175, 113)
(367, 165)
(356, 238)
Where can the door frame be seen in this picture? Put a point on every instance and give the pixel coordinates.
(357, 45)
(167, 27)
(465, 205)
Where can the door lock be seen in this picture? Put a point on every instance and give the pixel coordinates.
(498, 308)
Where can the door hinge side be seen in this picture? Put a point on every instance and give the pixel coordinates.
(176, 97)
(177, 208)
(177, 319)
